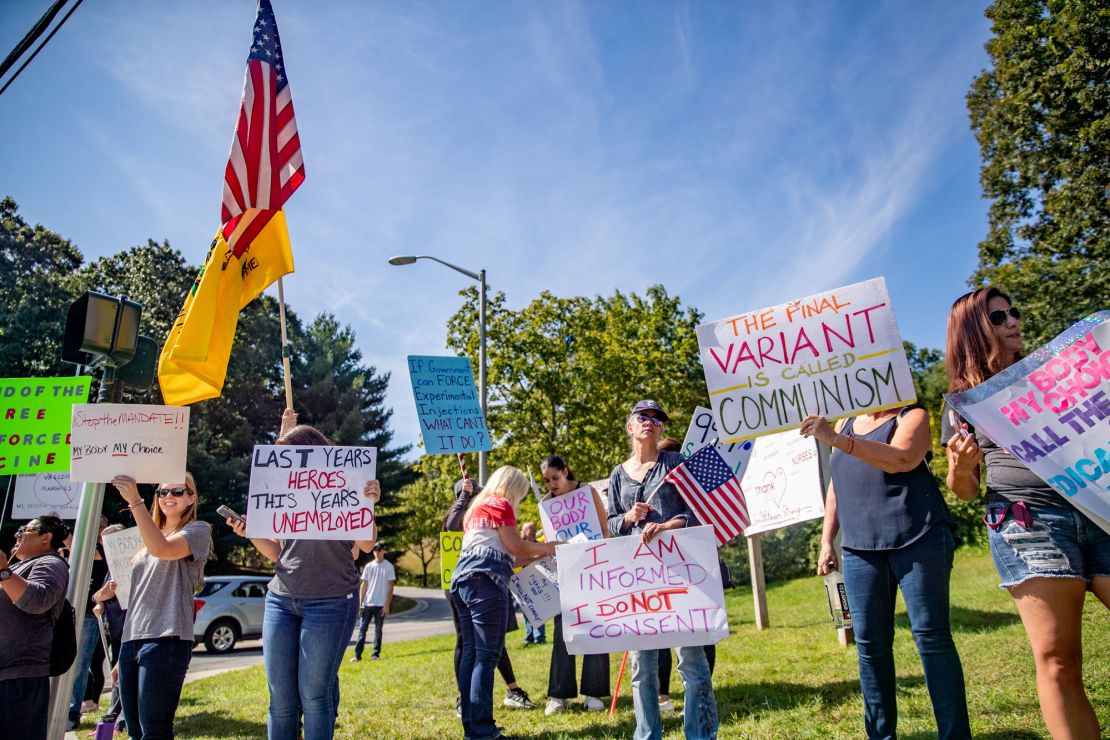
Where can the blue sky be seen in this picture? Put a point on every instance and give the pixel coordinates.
(739, 153)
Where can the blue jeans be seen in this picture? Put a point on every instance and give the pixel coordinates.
(1062, 543)
(90, 634)
(534, 635)
(483, 609)
(872, 579)
(151, 674)
(303, 642)
(699, 720)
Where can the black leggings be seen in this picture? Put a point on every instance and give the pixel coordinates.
(504, 665)
(665, 667)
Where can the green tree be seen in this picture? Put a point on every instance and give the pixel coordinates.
(36, 270)
(1041, 113)
(564, 372)
(415, 514)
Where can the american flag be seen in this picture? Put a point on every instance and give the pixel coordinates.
(265, 165)
(711, 490)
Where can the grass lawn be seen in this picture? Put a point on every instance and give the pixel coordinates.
(790, 681)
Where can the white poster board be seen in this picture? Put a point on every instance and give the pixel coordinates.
(536, 588)
(782, 484)
(143, 441)
(46, 494)
(311, 493)
(119, 551)
(836, 353)
(703, 430)
(1050, 410)
(620, 594)
(602, 488)
(571, 514)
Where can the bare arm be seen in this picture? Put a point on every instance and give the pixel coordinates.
(521, 550)
(827, 561)
(174, 547)
(602, 515)
(905, 451)
(372, 492)
(388, 599)
(361, 591)
(269, 549)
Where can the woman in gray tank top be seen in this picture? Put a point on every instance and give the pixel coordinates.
(1048, 553)
(311, 610)
(896, 534)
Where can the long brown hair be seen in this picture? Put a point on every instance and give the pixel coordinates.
(973, 353)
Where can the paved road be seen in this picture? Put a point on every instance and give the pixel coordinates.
(430, 616)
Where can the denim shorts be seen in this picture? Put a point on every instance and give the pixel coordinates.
(1062, 543)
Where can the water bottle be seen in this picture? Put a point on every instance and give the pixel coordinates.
(838, 600)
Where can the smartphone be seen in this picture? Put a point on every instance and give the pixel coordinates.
(954, 420)
(229, 513)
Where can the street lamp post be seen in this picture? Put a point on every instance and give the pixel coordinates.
(481, 278)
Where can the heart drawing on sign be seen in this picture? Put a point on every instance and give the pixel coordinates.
(774, 485)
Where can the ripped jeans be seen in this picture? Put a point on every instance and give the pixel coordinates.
(1061, 543)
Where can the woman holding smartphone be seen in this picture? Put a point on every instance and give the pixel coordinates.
(157, 641)
(311, 608)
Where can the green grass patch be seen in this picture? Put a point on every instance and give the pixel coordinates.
(790, 681)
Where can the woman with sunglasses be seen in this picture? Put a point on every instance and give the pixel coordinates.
(311, 608)
(562, 682)
(157, 641)
(896, 535)
(642, 504)
(1047, 553)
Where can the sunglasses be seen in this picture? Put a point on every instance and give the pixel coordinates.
(998, 318)
(641, 418)
(175, 492)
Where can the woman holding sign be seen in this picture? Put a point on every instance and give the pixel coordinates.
(311, 608)
(157, 641)
(480, 591)
(562, 682)
(642, 503)
(1047, 553)
(896, 532)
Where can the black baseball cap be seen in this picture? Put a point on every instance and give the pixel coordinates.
(649, 405)
(379, 546)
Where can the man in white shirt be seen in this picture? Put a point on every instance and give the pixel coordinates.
(375, 593)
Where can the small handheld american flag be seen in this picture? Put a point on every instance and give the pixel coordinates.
(712, 491)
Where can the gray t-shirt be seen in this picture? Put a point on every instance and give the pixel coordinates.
(315, 569)
(665, 500)
(161, 601)
(1008, 479)
(27, 625)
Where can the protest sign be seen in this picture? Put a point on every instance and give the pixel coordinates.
(782, 484)
(536, 588)
(571, 514)
(311, 493)
(143, 441)
(45, 494)
(703, 430)
(35, 422)
(836, 354)
(1050, 410)
(450, 544)
(602, 488)
(621, 594)
(119, 551)
(451, 419)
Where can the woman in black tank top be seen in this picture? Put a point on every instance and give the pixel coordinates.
(896, 534)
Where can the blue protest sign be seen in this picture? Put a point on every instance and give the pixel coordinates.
(451, 420)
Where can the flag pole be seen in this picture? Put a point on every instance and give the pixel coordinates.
(284, 347)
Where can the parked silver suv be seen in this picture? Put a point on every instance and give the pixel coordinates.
(229, 609)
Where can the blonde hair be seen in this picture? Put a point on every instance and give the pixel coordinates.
(507, 482)
(187, 516)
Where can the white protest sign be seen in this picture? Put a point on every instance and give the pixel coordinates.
(620, 594)
(44, 494)
(145, 442)
(119, 551)
(703, 430)
(571, 514)
(536, 588)
(602, 488)
(782, 484)
(311, 493)
(836, 354)
(1051, 411)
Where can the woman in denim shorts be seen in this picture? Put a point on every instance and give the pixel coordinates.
(1047, 552)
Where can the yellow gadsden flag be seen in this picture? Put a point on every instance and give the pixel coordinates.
(193, 363)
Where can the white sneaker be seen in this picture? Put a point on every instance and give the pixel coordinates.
(89, 706)
(593, 704)
(555, 706)
(666, 706)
